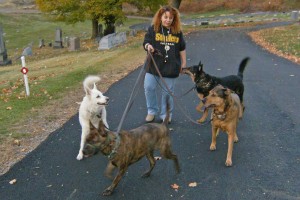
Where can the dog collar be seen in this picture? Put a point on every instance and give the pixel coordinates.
(114, 151)
(220, 117)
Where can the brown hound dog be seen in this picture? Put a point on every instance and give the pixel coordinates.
(227, 110)
(130, 147)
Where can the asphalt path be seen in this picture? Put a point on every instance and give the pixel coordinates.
(266, 159)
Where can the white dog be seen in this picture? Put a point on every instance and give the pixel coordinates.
(92, 109)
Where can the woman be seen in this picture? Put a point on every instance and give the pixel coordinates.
(164, 35)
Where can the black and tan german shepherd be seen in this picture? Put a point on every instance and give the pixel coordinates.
(205, 82)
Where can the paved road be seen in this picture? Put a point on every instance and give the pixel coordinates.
(265, 161)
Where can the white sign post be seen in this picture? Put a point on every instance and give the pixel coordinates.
(24, 70)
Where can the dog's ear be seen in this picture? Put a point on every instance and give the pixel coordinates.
(101, 128)
(95, 87)
(227, 91)
(200, 65)
(92, 126)
(88, 91)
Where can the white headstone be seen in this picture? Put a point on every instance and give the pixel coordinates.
(112, 40)
(74, 44)
(295, 15)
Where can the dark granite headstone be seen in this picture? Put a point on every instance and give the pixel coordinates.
(58, 39)
(3, 52)
(41, 43)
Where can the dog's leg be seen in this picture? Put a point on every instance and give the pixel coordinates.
(168, 154)
(235, 138)
(110, 189)
(84, 134)
(200, 105)
(204, 116)
(213, 145)
(241, 110)
(109, 170)
(152, 164)
(231, 136)
(103, 117)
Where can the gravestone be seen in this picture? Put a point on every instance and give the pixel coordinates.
(204, 23)
(133, 33)
(41, 43)
(3, 52)
(112, 40)
(27, 51)
(295, 15)
(74, 44)
(58, 39)
(67, 41)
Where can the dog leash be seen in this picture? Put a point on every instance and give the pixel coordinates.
(133, 94)
(174, 97)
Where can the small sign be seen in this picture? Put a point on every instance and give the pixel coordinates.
(24, 70)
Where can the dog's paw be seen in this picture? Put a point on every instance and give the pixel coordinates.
(79, 156)
(236, 139)
(212, 147)
(107, 192)
(228, 163)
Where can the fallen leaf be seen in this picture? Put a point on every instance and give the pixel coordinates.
(194, 184)
(9, 108)
(175, 186)
(13, 181)
(17, 142)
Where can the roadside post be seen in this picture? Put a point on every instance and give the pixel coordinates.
(24, 71)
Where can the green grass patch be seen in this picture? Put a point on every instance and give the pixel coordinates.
(285, 39)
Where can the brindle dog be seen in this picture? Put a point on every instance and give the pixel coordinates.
(205, 82)
(132, 146)
(227, 110)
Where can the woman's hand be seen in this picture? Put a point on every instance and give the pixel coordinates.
(149, 48)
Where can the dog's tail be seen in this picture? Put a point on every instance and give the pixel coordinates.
(167, 118)
(242, 67)
(89, 82)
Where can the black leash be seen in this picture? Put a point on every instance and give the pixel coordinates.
(174, 97)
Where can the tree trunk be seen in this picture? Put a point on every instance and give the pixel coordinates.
(95, 32)
(176, 3)
(109, 24)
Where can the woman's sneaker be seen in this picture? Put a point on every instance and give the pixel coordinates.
(150, 118)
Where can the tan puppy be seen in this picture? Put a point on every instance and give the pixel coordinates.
(130, 147)
(227, 110)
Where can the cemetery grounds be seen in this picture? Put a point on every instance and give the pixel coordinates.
(56, 76)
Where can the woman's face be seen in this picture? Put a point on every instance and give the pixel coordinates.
(167, 19)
